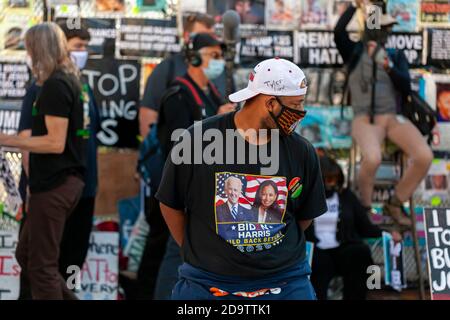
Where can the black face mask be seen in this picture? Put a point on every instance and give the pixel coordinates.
(288, 119)
(330, 190)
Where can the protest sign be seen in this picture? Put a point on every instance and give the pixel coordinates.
(437, 228)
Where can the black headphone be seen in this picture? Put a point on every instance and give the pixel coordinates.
(193, 57)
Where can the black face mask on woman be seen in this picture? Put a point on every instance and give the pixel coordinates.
(330, 190)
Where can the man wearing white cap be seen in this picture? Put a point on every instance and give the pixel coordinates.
(237, 258)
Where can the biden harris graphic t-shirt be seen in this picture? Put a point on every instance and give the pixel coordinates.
(241, 222)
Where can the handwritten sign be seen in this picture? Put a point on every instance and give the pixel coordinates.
(437, 228)
(9, 268)
(100, 273)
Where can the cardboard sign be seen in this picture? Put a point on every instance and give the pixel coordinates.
(9, 268)
(136, 243)
(437, 228)
(100, 273)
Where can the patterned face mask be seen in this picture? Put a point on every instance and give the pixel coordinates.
(288, 119)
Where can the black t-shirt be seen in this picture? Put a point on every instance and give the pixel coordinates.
(223, 234)
(60, 96)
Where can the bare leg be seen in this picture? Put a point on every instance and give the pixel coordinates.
(369, 138)
(406, 136)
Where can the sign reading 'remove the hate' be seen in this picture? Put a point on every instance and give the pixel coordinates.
(437, 227)
(317, 48)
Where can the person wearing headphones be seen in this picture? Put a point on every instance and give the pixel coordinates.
(191, 97)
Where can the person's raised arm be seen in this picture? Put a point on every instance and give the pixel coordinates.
(343, 42)
(399, 74)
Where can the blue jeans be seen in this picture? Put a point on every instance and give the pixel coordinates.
(168, 271)
(197, 284)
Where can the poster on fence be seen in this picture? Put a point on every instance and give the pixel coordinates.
(148, 37)
(434, 12)
(394, 263)
(258, 48)
(9, 116)
(437, 228)
(439, 48)
(9, 268)
(100, 274)
(318, 49)
(14, 77)
(405, 12)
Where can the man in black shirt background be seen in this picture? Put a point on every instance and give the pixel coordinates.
(235, 259)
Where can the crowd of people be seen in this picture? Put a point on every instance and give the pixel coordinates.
(204, 241)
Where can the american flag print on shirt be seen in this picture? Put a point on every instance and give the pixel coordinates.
(249, 210)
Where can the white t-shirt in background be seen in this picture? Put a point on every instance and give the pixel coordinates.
(326, 224)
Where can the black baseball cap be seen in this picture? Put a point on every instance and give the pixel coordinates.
(201, 40)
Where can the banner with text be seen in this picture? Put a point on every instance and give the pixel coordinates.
(116, 89)
(148, 37)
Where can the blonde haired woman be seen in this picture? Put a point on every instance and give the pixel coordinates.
(56, 162)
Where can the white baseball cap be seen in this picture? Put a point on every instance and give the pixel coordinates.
(275, 77)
